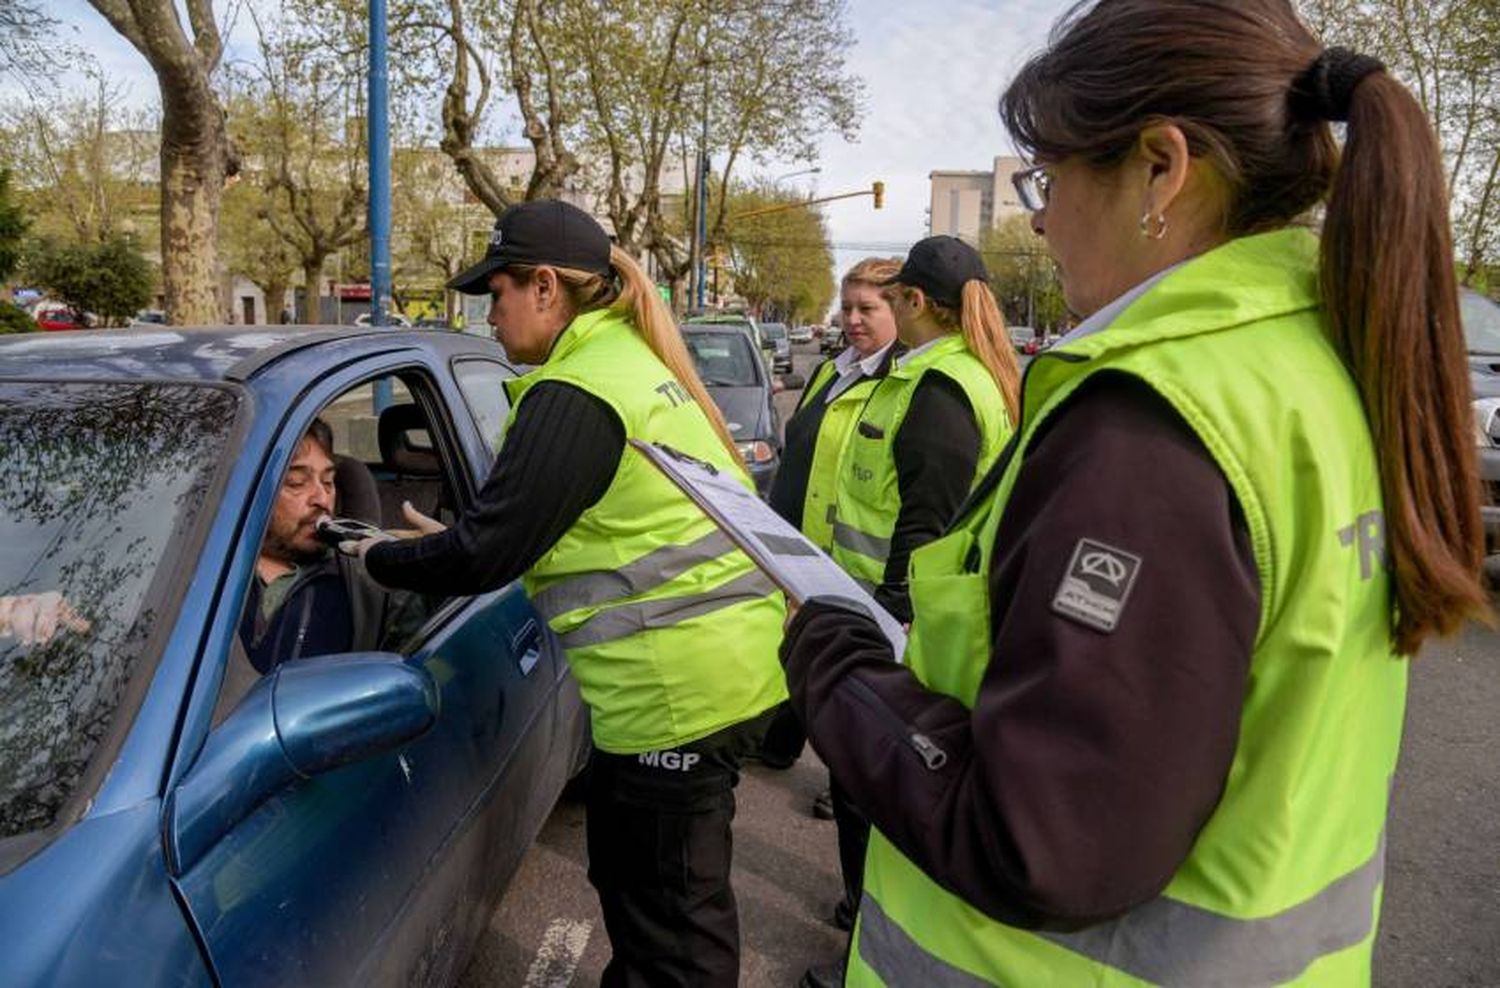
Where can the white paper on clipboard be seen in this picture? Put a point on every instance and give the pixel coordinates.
(793, 563)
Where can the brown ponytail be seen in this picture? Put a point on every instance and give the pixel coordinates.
(1391, 296)
(636, 299)
(1253, 91)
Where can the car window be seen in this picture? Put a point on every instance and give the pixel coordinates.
(483, 385)
(355, 421)
(1481, 323)
(305, 600)
(723, 359)
(773, 330)
(98, 484)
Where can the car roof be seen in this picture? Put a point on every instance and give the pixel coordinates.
(727, 319)
(232, 353)
(714, 328)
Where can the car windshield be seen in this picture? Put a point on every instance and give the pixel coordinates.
(773, 330)
(98, 482)
(724, 360)
(1481, 323)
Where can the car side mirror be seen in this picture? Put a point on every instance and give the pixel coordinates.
(793, 382)
(304, 718)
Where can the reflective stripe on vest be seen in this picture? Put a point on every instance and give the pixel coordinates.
(629, 619)
(642, 578)
(631, 580)
(900, 960)
(863, 543)
(1162, 941)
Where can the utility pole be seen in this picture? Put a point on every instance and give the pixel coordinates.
(379, 141)
(700, 229)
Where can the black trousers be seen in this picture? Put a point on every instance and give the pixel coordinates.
(660, 847)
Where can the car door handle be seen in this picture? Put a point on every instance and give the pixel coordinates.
(526, 645)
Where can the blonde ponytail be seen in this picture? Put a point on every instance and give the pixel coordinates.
(983, 329)
(651, 318)
(635, 298)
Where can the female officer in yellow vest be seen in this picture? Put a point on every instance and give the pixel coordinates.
(670, 631)
(803, 494)
(818, 430)
(807, 482)
(931, 428)
(1152, 702)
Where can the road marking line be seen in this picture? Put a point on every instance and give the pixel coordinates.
(557, 958)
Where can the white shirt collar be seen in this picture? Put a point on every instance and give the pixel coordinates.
(851, 368)
(911, 355)
(849, 358)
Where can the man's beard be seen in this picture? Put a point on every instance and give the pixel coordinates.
(284, 547)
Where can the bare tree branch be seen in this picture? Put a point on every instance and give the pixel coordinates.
(206, 38)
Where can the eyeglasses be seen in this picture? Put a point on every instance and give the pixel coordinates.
(1034, 186)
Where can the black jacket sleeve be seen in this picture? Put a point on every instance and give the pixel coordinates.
(1076, 785)
(936, 452)
(558, 459)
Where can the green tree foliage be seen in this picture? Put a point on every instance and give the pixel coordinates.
(84, 162)
(767, 78)
(298, 118)
(13, 319)
(1022, 275)
(612, 97)
(1447, 53)
(13, 227)
(433, 234)
(112, 280)
(252, 247)
(781, 260)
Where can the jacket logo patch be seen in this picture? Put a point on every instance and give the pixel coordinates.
(1096, 585)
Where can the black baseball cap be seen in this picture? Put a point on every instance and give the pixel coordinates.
(941, 266)
(542, 231)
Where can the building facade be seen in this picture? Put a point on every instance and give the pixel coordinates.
(964, 203)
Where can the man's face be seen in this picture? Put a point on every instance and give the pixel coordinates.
(306, 495)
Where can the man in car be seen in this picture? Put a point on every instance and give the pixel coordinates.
(306, 599)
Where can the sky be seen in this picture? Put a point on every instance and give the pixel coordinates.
(933, 72)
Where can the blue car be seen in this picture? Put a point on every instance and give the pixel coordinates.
(169, 816)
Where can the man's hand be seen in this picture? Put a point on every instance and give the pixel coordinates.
(420, 524)
(35, 618)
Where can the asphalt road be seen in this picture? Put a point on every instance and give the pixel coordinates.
(1440, 926)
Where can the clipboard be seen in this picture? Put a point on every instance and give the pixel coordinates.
(793, 563)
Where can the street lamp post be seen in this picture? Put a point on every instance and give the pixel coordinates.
(814, 170)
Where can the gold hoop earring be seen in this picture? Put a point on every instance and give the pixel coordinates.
(1153, 227)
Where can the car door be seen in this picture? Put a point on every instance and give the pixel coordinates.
(381, 871)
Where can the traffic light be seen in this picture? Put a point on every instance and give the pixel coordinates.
(878, 188)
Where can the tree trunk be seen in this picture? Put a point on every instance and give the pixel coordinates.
(275, 292)
(312, 277)
(192, 185)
